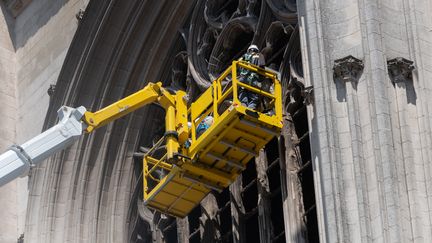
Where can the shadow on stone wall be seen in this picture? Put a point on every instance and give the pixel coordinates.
(30, 19)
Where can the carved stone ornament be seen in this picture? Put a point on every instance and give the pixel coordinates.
(205, 37)
(307, 94)
(348, 69)
(400, 69)
(51, 89)
(80, 14)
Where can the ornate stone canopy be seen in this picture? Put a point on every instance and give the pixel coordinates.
(348, 69)
(400, 69)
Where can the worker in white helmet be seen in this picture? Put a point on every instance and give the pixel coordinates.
(204, 125)
(246, 97)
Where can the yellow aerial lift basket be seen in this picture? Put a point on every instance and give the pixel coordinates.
(213, 160)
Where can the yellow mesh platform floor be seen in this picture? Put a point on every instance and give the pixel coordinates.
(223, 152)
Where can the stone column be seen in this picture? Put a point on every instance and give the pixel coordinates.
(237, 211)
(370, 138)
(292, 199)
(264, 203)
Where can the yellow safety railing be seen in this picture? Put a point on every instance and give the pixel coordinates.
(151, 165)
(176, 186)
(225, 89)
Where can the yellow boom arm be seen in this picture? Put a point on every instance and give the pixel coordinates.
(193, 165)
(175, 106)
(18, 159)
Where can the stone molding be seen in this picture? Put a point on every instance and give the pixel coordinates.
(400, 69)
(348, 69)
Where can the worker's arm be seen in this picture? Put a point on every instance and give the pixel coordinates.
(261, 60)
(258, 60)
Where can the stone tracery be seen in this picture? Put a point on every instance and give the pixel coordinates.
(214, 34)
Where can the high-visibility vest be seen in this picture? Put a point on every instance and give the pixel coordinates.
(252, 59)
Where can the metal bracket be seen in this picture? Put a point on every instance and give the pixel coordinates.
(22, 154)
(171, 134)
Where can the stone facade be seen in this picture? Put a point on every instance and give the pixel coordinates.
(351, 164)
(9, 196)
(35, 37)
(371, 143)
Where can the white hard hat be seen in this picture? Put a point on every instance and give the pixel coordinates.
(253, 48)
(208, 120)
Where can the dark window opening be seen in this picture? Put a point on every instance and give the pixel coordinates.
(249, 194)
(224, 205)
(141, 232)
(252, 231)
(194, 225)
(273, 174)
(169, 230)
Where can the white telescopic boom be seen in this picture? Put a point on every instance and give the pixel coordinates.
(17, 160)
